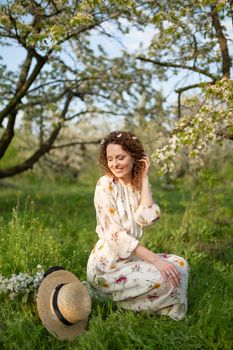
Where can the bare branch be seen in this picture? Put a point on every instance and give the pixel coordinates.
(195, 50)
(76, 81)
(94, 111)
(193, 86)
(57, 11)
(185, 88)
(23, 90)
(45, 99)
(180, 66)
(66, 105)
(77, 143)
(24, 71)
(50, 83)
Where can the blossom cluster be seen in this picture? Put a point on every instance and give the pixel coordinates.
(21, 284)
(197, 133)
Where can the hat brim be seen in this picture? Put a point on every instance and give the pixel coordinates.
(48, 318)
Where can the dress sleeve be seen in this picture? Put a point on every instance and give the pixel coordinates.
(109, 226)
(145, 215)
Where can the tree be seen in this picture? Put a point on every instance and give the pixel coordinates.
(61, 78)
(192, 37)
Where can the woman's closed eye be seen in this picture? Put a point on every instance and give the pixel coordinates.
(119, 158)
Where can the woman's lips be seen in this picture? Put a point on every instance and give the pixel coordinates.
(117, 170)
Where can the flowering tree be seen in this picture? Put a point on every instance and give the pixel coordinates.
(192, 37)
(61, 77)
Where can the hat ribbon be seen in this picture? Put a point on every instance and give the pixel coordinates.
(56, 307)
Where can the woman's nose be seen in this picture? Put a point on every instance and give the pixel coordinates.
(115, 163)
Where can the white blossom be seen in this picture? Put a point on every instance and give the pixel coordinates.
(198, 133)
(22, 283)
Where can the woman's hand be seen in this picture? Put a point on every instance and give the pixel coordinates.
(146, 163)
(167, 270)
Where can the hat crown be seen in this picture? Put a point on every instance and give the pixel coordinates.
(74, 302)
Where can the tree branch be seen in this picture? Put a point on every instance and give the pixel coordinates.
(44, 99)
(23, 90)
(76, 81)
(185, 88)
(193, 86)
(28, 163)
(24, 71)
(188, 120)
(77, 143)
(40, 63)
(180, 66)
(43, 149)
(66, 105)
(50, 83)
(231, 10)
(225, 133)
(8, 133)
(57, 11)
(83, 28)
(94, 112)
(226, 60)
(22, 40)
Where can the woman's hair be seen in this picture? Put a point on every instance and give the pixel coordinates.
(131, 144)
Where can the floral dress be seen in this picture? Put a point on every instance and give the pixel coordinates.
(112, 266)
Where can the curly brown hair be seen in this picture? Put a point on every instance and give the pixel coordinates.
(131, 144)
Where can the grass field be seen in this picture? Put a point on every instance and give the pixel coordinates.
(53, 223)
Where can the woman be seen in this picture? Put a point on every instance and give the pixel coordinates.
(135, 277)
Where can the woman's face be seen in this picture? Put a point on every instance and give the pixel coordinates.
(120, 162)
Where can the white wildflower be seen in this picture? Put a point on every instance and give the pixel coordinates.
(22, 283)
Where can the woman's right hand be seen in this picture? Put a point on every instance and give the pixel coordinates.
(167, 270)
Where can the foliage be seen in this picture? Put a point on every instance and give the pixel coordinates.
(61, 78)
(191, 37)
(200, 131)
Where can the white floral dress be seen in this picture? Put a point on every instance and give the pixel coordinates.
(112, 266)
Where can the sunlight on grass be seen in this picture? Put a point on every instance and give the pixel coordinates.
(54, 224)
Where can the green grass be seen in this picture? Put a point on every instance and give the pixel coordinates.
(53, 223)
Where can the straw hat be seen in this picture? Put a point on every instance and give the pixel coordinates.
(63, 303)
